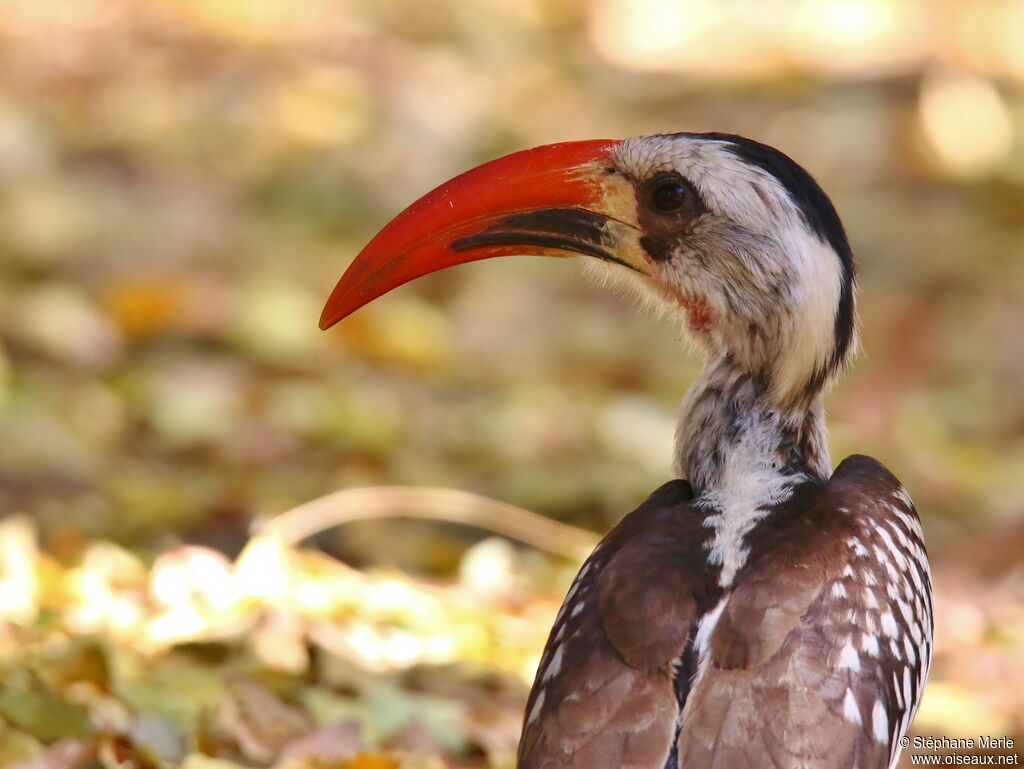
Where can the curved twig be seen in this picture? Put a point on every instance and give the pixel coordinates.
(450, 505)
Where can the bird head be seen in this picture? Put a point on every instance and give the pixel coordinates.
(731, 234)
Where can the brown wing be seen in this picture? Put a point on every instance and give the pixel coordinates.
(605, 694)
(820, 653)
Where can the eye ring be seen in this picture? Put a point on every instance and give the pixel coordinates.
(669, 195)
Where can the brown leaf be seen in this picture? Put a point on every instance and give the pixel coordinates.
(494, 729)
(333, 743)
(259, 721)
(414, 737)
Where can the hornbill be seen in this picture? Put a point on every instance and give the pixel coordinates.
(762, 610)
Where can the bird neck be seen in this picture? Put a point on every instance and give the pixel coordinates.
(734, 437)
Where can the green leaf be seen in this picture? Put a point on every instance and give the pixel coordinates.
(43, 715)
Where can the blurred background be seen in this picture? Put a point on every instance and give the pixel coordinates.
(183, 181)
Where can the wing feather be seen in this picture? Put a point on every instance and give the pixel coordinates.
(820, 654)
(611, 700)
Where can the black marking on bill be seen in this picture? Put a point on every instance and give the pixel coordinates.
(567, 229)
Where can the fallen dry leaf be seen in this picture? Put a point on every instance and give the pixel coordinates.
(259, 721)
(335, 743)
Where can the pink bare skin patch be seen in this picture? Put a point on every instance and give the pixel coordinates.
(697, 310)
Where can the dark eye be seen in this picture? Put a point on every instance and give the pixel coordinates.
(669, 196)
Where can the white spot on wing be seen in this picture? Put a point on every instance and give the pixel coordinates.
(706, 628)
(850, 710)
(902, 495)
(880, 723)
(871, 622)
(870, 645)
(889, 626)
(895, 550)
(848, 657)
(894, 576)
(537, 705)
(572, 593)
(915, 632)
(555, 666)
(897, 531)
(915, 576)
(911, 651)
(905, 611)
(567, 601)
(857, 546)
